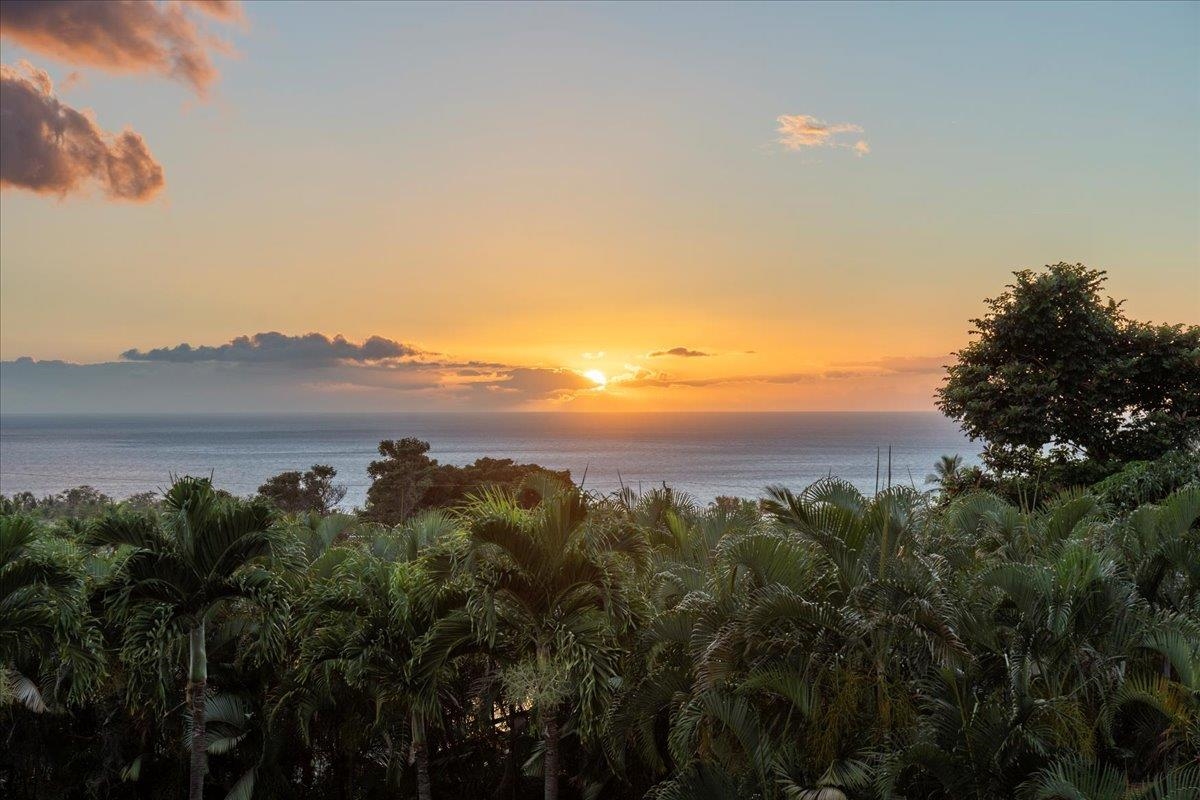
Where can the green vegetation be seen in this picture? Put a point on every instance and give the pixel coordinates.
(819, 644)
(1063, 387)
(405, 480)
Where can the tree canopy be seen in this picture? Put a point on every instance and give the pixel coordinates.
(821, 644)
(296, 492)
(406, 480)
(1056, 364)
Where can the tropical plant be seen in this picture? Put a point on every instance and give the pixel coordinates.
(550, 600)
(41, 617)
(817, 644)
(181, 567)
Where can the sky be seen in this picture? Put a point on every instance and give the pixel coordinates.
(348, 207)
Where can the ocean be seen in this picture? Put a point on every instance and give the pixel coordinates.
(704, 454)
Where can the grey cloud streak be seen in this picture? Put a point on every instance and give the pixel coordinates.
(279, 348)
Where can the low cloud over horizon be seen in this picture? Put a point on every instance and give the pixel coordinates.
(275, 370)
(279, 348)
(318, 372)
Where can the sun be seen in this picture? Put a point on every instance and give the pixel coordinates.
(597, 377)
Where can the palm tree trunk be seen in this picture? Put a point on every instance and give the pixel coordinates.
(424, 790)
(550, 757)
(197, 684)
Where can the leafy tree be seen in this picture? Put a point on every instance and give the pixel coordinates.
(406, 480)
(399, 480)
(202, 553)
(300, 492)
(1056, 364)
(454, 485)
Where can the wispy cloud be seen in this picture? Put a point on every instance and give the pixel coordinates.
(887, 367)
(902, 364)
(48, 147)
(278, 348)
(683, 352)
(123, 35)
(525, 384)
(801, 132)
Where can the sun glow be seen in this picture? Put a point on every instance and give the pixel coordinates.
(597, 377)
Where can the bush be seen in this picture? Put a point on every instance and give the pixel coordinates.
(1142, 482)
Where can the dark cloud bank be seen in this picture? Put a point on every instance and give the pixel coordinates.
(280, 372)
(310, 349)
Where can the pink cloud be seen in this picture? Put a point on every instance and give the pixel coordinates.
(123, 35)
(800, 131)
(51, 148)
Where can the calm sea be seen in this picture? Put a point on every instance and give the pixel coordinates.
(704, 454)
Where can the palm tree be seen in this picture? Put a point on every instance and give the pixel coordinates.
(551, 597)
(946, 471)
(32, 590)
(365, 624)
(202, 552)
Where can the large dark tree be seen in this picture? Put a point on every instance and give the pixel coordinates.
(1056, 363)
(297, 492)
(406, 480)
(399, 479)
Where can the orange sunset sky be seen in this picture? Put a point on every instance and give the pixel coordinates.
(643, 207)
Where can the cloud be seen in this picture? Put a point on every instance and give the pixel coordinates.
(910, 365)
(51, 148)
(888, 367)
(227, 10)
(278, 348)
(662, 380)
(523, 384)
(800, 132)
(126, 36)
(683, 352)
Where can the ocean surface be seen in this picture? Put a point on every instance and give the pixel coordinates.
(703, 454)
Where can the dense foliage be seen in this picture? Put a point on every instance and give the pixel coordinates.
(296, 492)
(818, 644)
(1056, 367)
(405, 480)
